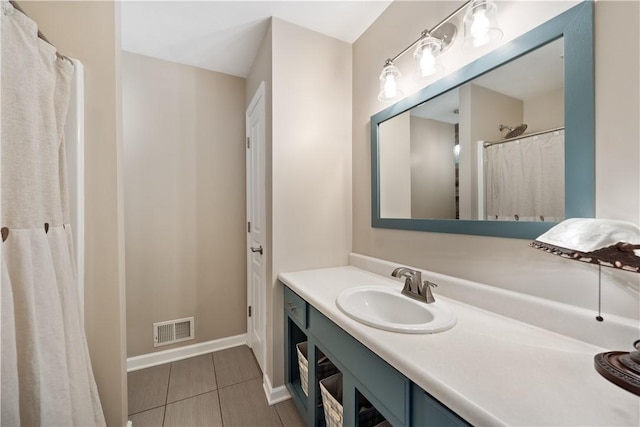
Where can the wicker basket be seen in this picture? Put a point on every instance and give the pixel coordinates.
(324, 367)
(303, 365)
(331, 391)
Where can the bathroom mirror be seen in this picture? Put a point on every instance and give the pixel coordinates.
(431, 169)
(435, 164)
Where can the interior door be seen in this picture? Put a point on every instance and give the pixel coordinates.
(256, 227)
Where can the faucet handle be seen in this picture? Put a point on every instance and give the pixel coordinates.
(428, 283)
(423, 287)
(426, 293)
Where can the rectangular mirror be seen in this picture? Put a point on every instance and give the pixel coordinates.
(457, 157)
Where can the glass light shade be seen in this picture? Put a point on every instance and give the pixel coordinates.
(389, 82)
(481, 24)
(427, 55)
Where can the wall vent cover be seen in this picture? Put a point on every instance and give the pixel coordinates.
(173, 331)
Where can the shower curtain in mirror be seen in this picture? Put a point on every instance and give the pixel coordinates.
(46, 370)
(525, 179)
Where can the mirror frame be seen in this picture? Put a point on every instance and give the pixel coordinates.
(576, 26)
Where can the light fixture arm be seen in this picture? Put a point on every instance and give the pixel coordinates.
(426, 33)
(480, 29)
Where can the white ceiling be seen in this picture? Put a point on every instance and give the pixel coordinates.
(224, 36)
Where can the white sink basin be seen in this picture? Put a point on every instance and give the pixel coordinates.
(386, 308)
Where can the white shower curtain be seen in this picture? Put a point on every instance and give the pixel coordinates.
(525, 179)
(46, 370)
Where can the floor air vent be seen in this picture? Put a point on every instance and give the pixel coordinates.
(173, 331)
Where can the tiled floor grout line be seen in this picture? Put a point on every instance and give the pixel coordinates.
(215, 373)
(239, 382)
(142, 412)
(145, 410)
(275, 408)
(164, 412)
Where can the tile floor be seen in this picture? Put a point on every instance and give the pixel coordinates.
(223, 388)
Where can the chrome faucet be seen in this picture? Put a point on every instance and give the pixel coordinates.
(414, 287)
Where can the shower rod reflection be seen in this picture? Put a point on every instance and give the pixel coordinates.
(515, 138)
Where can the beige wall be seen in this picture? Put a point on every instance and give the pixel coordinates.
(617, 110)
(395, 170)
(545, 111)
(511, 263)
(308, 159)
(433, 169)
(89, 31)
(184, 169)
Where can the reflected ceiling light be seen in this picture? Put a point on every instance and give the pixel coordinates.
(389, 79)
(481, 15)
(456, 152)
(481, 24)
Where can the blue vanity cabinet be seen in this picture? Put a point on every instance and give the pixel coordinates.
(401, 402)
(427, 411)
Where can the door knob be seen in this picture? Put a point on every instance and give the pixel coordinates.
(258, 249)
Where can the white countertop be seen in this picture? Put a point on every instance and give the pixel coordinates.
(489, 369)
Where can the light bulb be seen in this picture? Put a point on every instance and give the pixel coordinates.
(480, 24)
(389, 81)
(427, 63)
(390, 87)
(480, 28)
(426, 57)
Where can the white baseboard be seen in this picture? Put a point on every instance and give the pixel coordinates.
(274, 395)
(160, 357)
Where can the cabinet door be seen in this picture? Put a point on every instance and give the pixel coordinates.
(427, 411)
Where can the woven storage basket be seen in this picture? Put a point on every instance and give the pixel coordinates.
(331, 390)
(303, 365)
(324, 366)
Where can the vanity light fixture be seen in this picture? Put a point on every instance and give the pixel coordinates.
(389, 79)
(481, 24)
(606, 243)
(481, 20)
